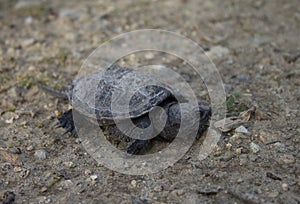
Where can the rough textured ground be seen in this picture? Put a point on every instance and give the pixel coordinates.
(259, 62)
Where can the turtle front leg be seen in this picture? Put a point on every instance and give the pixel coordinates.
(66, 121)
(136, 146)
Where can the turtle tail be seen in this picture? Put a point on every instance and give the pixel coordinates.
(52, 91)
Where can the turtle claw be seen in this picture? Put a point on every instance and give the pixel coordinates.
(58, 125)
(69, 129)
(73, 134)
(66, 121)
(135, 146)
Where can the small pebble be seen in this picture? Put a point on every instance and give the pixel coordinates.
(70, 36)
(29, 148)
(43, 189)
(177, 192)
(24, 123)
(133, 183)
(27, 42)
(17, 169)
(243, 160)
(240, 180)
(15, 150)
(217, 151)
(87, 172)
(111, 173)
(239, 150)
(230, 61)
(132, 58)
(217, 52)
(158, 188)
(286, 159)
(24, 173)
(228, 145)
(28, 20)
(151, 195)
(6, 166)
(69, 164)
(243, 78)
(66, 184)
(268, 136)
(236, 138)
(254, 147)
(32, 92)
(9, 117)
(78, 140)
(253, 157)
(23, 4)
(10, 51)
(93, 177)
(241, 129)
(227, 156)
(40, 154)
(228, 87)
(273, 194)
(285, 187)
(57, 113)
(31, 68)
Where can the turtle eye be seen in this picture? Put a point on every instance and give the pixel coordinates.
(205, 112)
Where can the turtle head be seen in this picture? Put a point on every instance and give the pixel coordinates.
(205, 114)
(174, 113)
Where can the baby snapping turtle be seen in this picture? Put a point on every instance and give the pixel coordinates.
(113, 86)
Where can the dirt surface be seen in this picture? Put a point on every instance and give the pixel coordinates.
(256, 48)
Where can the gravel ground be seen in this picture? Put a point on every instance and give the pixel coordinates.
(256, 48)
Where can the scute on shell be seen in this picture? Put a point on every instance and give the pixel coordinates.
(117, 93)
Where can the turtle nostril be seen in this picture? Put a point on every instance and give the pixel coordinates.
(204, 110)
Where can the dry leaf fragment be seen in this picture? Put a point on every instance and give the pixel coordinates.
(230, 123)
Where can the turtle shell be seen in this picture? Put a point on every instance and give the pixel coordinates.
(117, 93)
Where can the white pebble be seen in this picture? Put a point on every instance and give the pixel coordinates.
(69, 164)
(133, 183)
(78, 140)
(241, 129)
(158, 188)
(40, 154)
(93, 177)
(66, 184)
(30, 148)
(17, 169)
(286, 159)
(28, 20)
(87, 172)
(27, 42)
(217, 52)
(285, 187)
(255, 148)
(228, 145)
(273, 194)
